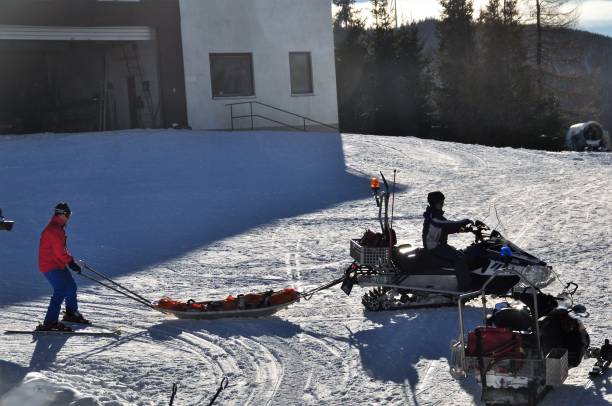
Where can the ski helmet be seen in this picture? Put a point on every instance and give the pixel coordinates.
(63, 208)
(435, 197)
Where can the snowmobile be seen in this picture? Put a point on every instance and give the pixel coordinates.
(403, 276)
(525, 346)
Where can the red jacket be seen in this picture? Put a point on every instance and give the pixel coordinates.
(52, 253)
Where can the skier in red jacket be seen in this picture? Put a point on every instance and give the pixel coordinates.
(54, 261)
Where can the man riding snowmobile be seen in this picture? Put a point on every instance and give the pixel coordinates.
(436, 229)
(403, 276)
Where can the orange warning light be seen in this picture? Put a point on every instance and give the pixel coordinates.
(374, 183)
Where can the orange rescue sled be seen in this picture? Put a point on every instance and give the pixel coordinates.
(248, 305)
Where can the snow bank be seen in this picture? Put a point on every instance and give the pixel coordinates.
(36, 390)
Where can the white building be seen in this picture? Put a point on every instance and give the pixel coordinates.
(277, 52)
(82, 65)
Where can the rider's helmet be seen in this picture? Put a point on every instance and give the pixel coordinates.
(434, 198)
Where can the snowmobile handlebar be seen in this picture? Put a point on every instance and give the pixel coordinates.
(477, 228)
(571, 288)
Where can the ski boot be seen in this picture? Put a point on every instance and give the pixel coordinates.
(55, 326)
(75, 317)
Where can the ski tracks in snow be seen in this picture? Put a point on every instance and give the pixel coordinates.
(327, 350)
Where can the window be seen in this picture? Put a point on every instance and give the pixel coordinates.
(231, 75)
(301, 72)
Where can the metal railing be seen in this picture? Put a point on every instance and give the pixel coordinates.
(252, 116)
(457, 370)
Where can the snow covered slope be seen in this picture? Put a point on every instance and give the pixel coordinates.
(202, 215)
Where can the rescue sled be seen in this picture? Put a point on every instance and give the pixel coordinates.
(249, 305)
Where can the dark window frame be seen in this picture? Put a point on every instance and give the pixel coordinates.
(311, 74)
(212, 55)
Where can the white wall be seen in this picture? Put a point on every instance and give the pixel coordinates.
(269, 29)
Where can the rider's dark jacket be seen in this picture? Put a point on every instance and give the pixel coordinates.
(436, 228)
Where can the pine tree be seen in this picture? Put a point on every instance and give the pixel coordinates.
(502, 70)
(456, 58)
(412, 84)
(550, 15)
(351, 71)
(512, 111)
(345, 16)
(383, 68)
(380, 12)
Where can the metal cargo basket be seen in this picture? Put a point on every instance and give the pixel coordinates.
(369, 256)
(556, 367)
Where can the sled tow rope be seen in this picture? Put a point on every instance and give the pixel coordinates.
(310, 293)
(102, 279)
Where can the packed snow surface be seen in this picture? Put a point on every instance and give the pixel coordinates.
(202, 215)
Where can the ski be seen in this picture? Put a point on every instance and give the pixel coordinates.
(83, 326)
(62, 333)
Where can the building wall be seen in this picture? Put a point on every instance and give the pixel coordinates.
(269, 29)
(163, 15)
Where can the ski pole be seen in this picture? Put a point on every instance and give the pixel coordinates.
(143, 302)
(115, 283)
(224, 383)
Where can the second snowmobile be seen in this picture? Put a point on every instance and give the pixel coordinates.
(403, 276)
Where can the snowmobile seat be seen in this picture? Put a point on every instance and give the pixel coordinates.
(517, 319)
(417, 261)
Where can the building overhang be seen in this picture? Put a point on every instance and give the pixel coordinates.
(59, 33)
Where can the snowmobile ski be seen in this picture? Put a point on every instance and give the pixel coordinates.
(385, 298)
(599, 369)
(62, 333)
(603, 356)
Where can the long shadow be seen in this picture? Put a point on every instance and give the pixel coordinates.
(142, 198)
(45, 351)
(248, 328)
(570, 395)
(391, 351)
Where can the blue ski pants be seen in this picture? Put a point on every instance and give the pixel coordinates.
(64, 288)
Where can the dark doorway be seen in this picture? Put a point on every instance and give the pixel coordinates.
(67, 86)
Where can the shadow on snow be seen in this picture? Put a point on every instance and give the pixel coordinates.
(146, 197)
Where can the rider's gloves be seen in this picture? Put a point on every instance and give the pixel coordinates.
(464, 225)
(74, 267)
